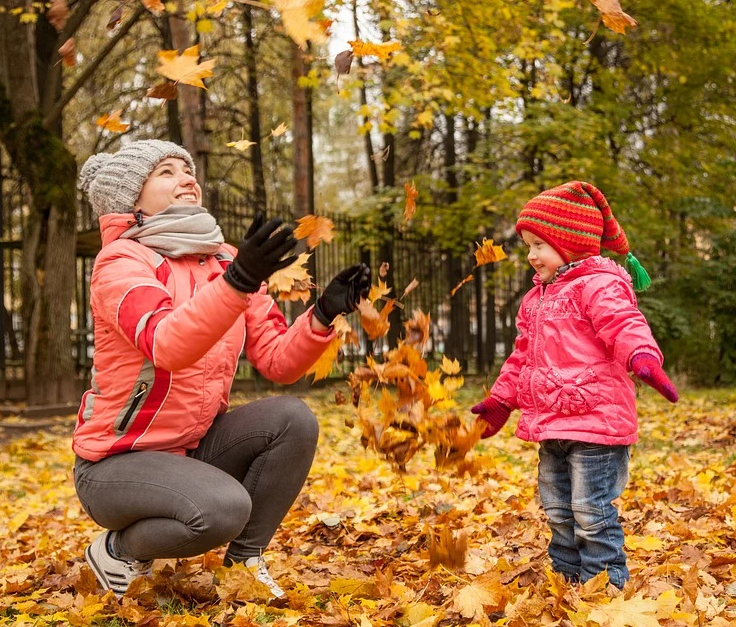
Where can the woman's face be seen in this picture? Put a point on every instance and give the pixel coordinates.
(170, 183)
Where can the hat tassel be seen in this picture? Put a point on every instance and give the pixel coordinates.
(639, 275)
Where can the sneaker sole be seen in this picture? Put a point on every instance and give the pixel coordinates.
(99, 574)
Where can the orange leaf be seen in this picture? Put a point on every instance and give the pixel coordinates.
(314, 229)
(467, 279)
(374, 323)
(185, 67)
(411, 200)
(378, 291)
(295, 15)
(410, 288)
(417, 329)
(613, 16)
(154, 6)
(383, 270)
(381, 50)
(68, 52)
(112, 122)
(292, 277)
(166, 90)
(446, 549)
(488, 253)
(323, 366)
(58, 14)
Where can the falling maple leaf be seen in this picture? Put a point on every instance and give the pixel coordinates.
(343, 61)
(449, 366)
(374, 323)
(293, 276)
(166, 90)
(315, 229)
(613, 15)
(68, 52)
(322, 368)
(58, 14)
(383, 269)
(185, 67)
(241, 145)
(417, 329)
(447, 548)
(279, 130)
(488, 253)
(381, 50)
(295, 16)
(467, 279)
(411, 200)
(155, 6)
(410, 288)
(379, 291)
(112, 122)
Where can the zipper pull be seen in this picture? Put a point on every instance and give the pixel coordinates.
(141, 390)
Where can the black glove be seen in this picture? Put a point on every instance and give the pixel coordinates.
(341, 296)
(259, 254)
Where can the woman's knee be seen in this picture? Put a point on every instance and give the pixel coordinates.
(224, 515)
(301, 420)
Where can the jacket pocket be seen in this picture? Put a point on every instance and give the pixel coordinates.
(570, 394)
(523, 388)
(123, 420)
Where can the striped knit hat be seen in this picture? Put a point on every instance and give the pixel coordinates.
(576, 220)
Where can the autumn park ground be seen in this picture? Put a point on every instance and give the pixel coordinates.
(355, 548)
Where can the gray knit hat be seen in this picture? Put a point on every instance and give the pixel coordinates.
(114, 182)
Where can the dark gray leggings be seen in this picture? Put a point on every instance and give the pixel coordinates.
(235, 487)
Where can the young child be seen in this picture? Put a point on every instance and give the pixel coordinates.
(580, 334)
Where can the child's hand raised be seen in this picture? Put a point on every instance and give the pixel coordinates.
(648, 369)
(494, 413)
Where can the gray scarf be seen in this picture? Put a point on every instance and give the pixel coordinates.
(178, 230)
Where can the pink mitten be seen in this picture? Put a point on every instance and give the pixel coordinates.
(647, 368)
(494, 413)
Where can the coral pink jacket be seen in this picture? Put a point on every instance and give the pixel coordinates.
(569, 371)
(168, 335)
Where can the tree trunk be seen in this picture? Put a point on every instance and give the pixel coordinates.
(191, 102)
(254, 113)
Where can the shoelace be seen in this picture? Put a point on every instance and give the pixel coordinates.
(140, 569)
(265, 578)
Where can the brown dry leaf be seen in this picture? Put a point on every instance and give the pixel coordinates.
(410, 288)
(417, 329)
(340, 398)
(185, 67)
(58, 14)
(324, 365)
(315, 229)
(283, 280)
(488, 253)
(381, 50)
(374, 323)
(166, 90)
(112, 122)
(378, 291)
(115, 18)
(613, 15)
(447, 549)
(343, 61)
(411, 200)
(68, 52)
(154, 6)
(237, 583)
(467, 279)
(383, 269)
(279, 130)
(485, 595)
(295, 15)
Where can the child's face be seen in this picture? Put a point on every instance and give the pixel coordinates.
(542, 257)
(170, 183)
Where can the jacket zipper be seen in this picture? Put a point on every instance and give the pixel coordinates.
(136, 399)
(534, 370)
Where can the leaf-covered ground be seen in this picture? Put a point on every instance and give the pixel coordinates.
(355, 549)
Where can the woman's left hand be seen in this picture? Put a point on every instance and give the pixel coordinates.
(343, 293)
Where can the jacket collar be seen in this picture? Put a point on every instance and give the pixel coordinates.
(113, 225)
(590, 265)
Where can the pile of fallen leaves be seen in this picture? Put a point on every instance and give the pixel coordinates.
(364, 546)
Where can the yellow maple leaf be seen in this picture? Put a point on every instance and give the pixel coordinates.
(620, 612)
(283, 280)
(378, 291)
(613, 15)
(279, 130)
(449, 366)
(322, 368)
(315, 229)
(488, 253)
(381, 50)
(112, 122)
(295, 15)
(648, 543)
(185, 67)
(486, 594)
(241, 145)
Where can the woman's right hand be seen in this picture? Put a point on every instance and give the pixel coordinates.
(259, 254)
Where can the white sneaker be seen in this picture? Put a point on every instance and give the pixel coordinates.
(113, 573)
(257, 565)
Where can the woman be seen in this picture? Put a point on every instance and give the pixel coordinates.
(162, 462)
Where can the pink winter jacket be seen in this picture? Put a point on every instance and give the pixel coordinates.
(569, 371)
(168, 335)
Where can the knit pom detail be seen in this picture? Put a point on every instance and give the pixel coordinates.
(89, 170)
(639, 275)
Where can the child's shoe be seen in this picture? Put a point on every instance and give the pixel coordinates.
(112, 572)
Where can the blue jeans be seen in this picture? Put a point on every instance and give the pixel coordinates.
(577, 482)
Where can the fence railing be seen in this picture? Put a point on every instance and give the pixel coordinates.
(483, 313)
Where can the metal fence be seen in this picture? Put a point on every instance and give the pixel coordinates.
(414, 257)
